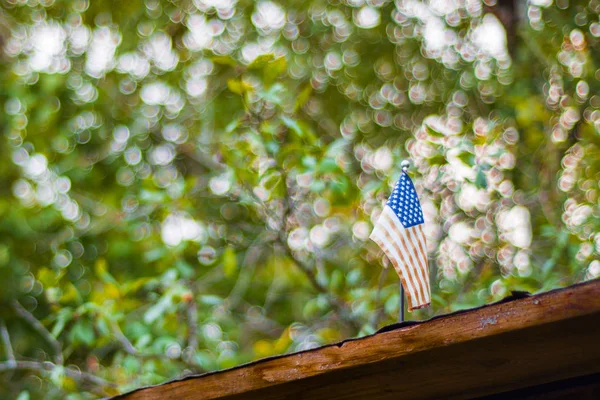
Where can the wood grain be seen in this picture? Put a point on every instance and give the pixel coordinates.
(496, 348)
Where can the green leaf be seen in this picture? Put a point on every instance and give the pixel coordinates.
(548, 266)
(261, 61)
(229, 261)
(184, 268)
(373, 185)
(303, 97)
(437, 159)
(270, 180)
(481, 179)
(57, 374)
(340, 185)
(311, 309)
(317, 186)
(354, 277)
(233, 125)
(144, 340)
(102, 325)
(70, 294)
(273, 95)
(439, 300)
(152, 196)
(293, 125)
(24, 395)
(83, 332)
(467, 158)
(433, 132)
(328, 165)
(157, 310)
(64, 316)
(309, 162)
(337, 280)
(101, 269)
(210, 300)
(131, 364)
(224, 60)
(155, 254)
(274, 69)
(237, 86)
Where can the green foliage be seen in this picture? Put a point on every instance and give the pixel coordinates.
(187, 186)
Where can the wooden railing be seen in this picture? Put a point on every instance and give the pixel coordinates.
(520, 342)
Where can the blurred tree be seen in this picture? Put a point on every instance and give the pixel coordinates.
(190, 185)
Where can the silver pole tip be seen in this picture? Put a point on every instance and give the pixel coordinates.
(405, 164)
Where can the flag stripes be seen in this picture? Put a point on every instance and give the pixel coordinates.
(405, 248)
(399, 233)
(397, 240)
(383, 239)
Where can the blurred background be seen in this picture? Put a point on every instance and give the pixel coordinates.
(190, 185)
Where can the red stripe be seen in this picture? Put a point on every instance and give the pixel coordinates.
(410, 263)
(424, 252)
(394, 262)
(413, 233)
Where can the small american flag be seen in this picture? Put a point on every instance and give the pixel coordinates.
(399, 233)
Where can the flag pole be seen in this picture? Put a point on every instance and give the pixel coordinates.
(405, 164)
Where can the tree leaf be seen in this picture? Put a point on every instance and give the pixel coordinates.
(273, 95)
(261, 61)
(303, 97)
(433, 132)
(467, 158)
(270, 180)
(224, 60)
(83, 332)
(328, 165)
(229, 261)
(481, 179)
(64, 316)
(237, 86)
(24, 395)
(293, 125)
(274, 69)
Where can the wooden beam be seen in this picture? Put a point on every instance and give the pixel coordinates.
(580, 388)
(492, 349)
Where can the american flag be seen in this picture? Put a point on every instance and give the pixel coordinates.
(399, 233)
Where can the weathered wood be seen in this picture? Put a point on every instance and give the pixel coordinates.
(493, 349)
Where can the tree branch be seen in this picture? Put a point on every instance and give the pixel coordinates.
(39, 328)
(336, 302)
(344, 310)
(192, 319)
(125, 343)
(253, 254)
(10, 355)
(130, 348)
(48, 366)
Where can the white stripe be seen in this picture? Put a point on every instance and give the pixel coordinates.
(421, 237)
(392, 253)
(376, 232)
(423, 273)
(410, 251)
(410, 277)
(414, 251)
(423, 257)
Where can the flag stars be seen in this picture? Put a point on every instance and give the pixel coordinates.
(404, 202)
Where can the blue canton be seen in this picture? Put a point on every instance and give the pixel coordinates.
(405, 203)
